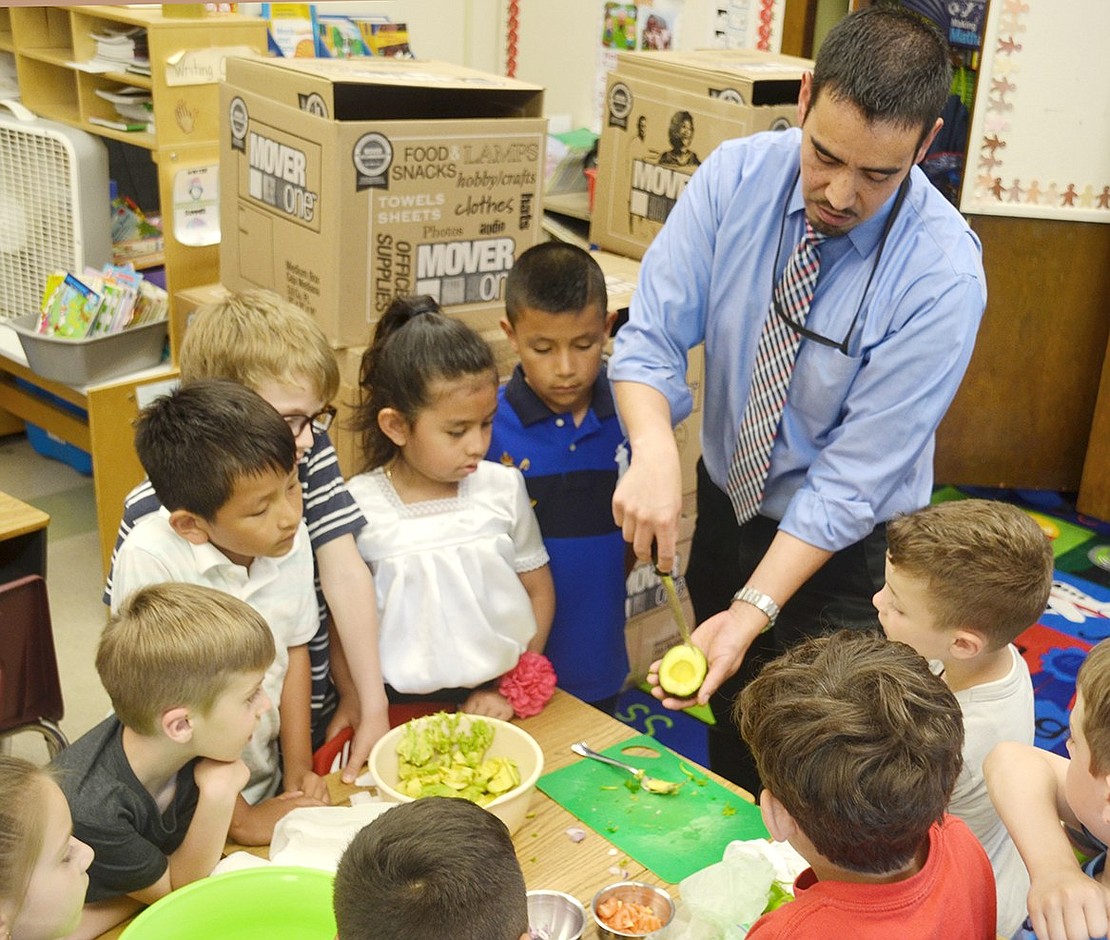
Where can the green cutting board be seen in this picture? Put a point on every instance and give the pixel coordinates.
(673, 836)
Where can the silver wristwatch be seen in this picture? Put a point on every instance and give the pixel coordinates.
(763, 602)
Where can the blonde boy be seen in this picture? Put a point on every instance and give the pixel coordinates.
(858, 747)
(963, 579)
(259, 340)
(1036, 790)
(152, 788)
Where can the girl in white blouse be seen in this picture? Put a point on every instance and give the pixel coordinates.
(461, 575)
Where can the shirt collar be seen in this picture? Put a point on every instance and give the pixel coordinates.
(865, 236)
(208, 558)
(530, 408)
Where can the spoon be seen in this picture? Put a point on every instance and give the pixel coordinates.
(649, 784)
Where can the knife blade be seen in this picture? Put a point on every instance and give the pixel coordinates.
(676, 607)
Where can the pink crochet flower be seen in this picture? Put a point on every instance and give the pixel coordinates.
(529, 685)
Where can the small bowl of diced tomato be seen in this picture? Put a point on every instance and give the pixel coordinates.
(631, 909)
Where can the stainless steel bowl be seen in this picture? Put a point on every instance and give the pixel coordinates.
(636, 892)
(553, 915)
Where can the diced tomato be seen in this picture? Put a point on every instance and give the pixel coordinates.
(628, 916)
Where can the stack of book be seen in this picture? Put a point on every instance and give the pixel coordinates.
(136, 237)
(99, 303)
(134, 109)
(125, 49)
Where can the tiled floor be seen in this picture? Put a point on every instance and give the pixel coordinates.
(73, 579)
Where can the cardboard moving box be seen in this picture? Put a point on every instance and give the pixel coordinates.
(665, 112)
(347, 182)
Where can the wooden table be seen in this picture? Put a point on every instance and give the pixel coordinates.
(547, 855)
(22, 539)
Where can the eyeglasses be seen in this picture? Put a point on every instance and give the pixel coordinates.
(797, 327)
(320, 421)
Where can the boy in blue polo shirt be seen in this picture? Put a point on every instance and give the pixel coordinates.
(556, 422)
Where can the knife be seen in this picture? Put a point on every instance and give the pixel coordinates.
(676, 607)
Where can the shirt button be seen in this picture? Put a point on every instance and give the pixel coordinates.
(559, 422)
(574, 447)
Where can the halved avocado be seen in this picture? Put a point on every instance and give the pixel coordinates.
(682, 670)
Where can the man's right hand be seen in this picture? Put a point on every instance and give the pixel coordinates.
(648, 498)
(648, 502)
(1069, 905)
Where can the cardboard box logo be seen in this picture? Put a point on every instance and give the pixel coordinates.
(282, 172)
(655, 190)
(372, 157)
(464, 271)
(313, 103)
(620, 105)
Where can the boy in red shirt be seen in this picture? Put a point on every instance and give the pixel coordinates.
(858, 747)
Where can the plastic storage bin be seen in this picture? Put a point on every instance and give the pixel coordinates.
(46, 444)
(49, 445)
(90, 361)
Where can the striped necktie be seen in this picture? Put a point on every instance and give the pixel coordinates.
(774, 361)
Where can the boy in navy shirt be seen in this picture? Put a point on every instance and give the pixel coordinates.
(556, 422)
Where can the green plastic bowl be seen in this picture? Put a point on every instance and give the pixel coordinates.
(251, 904)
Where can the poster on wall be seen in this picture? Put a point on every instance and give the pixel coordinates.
(629, 27)
(749, 24)
(1040, 131)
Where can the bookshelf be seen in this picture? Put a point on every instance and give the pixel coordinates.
(53, 47)
(54, 51)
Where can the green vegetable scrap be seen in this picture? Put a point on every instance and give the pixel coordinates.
(443, 755)
(696, 778)
(777, 896)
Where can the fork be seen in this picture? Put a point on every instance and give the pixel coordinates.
(649, 784)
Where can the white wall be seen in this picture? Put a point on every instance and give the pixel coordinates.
(559, 48)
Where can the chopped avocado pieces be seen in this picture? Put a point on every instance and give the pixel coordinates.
(444, 755)
(682, 670)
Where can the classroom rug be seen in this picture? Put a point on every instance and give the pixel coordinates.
(1077, 617)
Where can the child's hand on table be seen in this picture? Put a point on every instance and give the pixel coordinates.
(370, 728)
(312, 787)
(254, 825)
(489, 703)
(1067, 904)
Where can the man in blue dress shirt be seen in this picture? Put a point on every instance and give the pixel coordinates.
(888, 336)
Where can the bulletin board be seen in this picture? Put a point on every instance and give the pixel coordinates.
(1040, 131)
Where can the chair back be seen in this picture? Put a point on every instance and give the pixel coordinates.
(29, 686)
